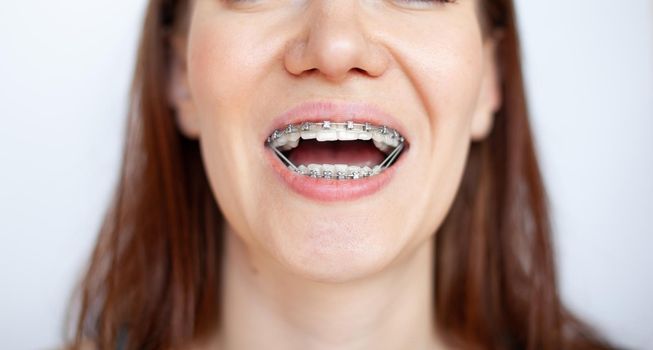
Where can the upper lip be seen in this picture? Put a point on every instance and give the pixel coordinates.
(337, 112)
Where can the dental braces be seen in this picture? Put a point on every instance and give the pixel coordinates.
(328, 125)
(352, 173)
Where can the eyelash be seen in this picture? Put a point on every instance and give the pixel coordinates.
(417, 5)
(427, 2)
(409, 1)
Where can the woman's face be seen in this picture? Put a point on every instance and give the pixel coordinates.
(246, 68)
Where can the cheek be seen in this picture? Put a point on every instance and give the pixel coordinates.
(453, 89)
(222, 72)
(449, 72)
(442, 57)
(221, 67)
(446, 72)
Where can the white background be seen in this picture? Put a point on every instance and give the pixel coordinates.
(65, 68)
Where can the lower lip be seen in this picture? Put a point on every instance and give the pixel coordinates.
(332, 190)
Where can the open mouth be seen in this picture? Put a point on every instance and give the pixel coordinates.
(342, 151)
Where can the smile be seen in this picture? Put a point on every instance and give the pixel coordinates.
(336, 150)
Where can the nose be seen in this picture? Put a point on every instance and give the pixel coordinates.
(334, 43)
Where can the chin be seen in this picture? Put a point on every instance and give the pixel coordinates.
(335, 251)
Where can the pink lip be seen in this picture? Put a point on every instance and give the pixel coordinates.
(333, 190)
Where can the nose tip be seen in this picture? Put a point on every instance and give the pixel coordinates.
(336, 46)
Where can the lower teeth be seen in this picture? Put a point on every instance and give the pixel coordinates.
(340, 171)
(336, 172)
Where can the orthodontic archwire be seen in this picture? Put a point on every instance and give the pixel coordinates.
(386, 163)
(283, 157)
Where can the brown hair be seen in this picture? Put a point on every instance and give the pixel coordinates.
(154, 277)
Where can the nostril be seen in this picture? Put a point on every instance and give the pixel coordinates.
(309, 72)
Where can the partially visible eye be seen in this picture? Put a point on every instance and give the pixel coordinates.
(255, 3)
(423, 3)
(243, 4)
(427, 1)
(240, 1)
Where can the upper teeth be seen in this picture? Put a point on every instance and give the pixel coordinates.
(384, 138)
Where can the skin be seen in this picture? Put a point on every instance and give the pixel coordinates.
(352, 274)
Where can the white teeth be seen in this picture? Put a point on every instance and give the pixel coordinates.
(355, 172)
(308, 135)
(314, 170)
(294, 136)
(391, 141)
(328, 171)
(365, 136)
(378, 137)
(341, 167)
(327, 135)
(382, 146)
(337, 171)
(284, 139)
(346, 135)
(289, 145)
(384, 138)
